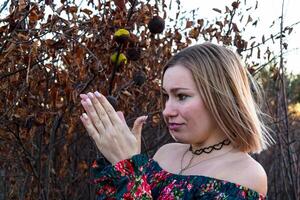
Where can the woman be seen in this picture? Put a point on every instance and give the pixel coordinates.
(210, 112)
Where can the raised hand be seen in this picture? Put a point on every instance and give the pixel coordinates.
(109, 129)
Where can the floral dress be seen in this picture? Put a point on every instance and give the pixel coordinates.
(142, 178)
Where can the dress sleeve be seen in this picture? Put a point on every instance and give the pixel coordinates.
(246, 194)
(124, 180)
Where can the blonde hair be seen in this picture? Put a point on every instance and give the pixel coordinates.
(223, 84)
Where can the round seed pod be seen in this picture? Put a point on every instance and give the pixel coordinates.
(133, 53)
(156, 25)
(139, 78)
(121, 35)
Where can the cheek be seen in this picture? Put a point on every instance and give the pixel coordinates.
(193, 109)
(196, 115)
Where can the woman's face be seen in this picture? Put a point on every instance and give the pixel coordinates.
(184, 113)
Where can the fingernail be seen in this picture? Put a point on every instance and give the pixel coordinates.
(84, 116)
(144, 119)
(90, 95)
(97, 94)
(88, 101)
(81, 96)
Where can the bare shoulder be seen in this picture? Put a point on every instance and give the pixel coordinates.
(251, 174)
(238, 168)
(165, 150)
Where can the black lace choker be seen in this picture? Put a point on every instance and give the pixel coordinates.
(210, 148)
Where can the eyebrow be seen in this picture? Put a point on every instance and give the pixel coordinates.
(173, 90)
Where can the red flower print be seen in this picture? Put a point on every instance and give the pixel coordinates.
(189, 186)
(168, 189)
(107, 190)
(139, 192)
(94, 164)
(145, 186)
(130, 185)
(128, 196)
(243, 194)
(124, 167)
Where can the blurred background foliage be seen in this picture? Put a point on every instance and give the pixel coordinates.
(52, 51)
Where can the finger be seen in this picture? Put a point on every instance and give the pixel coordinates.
(99, 110)
(83, 96)
(90, 128)
(109, 110)
(138, 126)
(93, 116)
(121, 116)
(137, 130)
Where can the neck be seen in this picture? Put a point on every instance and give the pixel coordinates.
(204, 157)
(214, 153)
(209, 141)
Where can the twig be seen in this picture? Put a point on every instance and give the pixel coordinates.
(5, 75)
(49, 163)
(28, 157)
(115, 69)
(271, 37)
(4, 5)
(232, 13)
(17, 25)
(92, 54)
(131, 11)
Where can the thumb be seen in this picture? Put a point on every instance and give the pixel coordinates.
(121, 116)
(138, 125)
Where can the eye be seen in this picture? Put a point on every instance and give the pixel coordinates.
(182, 97)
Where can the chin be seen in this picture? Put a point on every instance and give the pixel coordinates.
(174, 138)
(177, 137)
(185, 138)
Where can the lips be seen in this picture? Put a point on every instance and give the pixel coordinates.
(174, 126)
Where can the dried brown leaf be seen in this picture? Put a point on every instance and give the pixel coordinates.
(86, 11)
(72, 9)
(49, 2)
(22, 5)
(22, 36)
(126, 93)
(219, 23)
(227, 10)
(189, 24)
(194, 33)
(200, 22)
(258, 52)
(11, 47)
(263, 39)
(235, 4)
(249, 20)
(120, 4)
(290, 30)
(217, 10)
(33, 16)
(235, 28)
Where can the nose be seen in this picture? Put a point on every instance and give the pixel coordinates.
(169, 110)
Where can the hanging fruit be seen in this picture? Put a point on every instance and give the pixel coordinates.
(139, 78)
(156, 25)
(121, 58)
(133, 53)
(121, 36)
